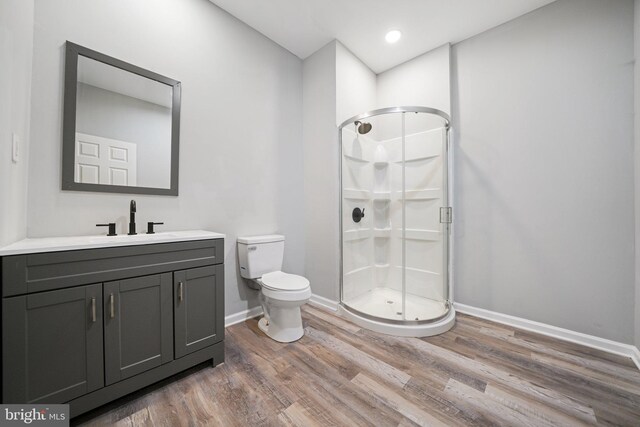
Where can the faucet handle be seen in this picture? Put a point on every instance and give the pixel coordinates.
(112, 228)
(150, 225)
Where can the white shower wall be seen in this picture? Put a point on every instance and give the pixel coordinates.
(357, 183)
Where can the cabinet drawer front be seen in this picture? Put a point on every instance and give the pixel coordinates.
(138, 332)
(52, 345)
(22, 274)
(198, 296)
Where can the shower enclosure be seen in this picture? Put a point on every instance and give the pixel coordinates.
(395, 221)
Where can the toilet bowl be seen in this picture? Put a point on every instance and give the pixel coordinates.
(281, 294)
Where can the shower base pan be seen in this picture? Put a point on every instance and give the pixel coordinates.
(381, 310)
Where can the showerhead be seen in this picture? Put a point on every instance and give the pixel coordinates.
(362, 127)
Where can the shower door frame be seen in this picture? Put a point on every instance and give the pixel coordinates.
(446, 234)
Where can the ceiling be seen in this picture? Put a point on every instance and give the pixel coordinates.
(304, 26)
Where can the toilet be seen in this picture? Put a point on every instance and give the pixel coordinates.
(281, 294)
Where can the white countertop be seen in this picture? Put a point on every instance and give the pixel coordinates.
(56, 244)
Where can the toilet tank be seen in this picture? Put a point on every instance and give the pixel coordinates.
(259, 255)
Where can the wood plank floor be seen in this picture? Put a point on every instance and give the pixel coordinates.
(479, 373)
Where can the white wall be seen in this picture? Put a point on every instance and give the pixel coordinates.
(636, 71)
(320, 140)
(240, 153)
(543, 119)
(422, 81)
(355, 85)
(337, 85)
(16, 52)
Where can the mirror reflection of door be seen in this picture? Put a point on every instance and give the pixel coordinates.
(123, 127)
(105, 161)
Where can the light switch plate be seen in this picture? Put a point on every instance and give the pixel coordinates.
(15, 154)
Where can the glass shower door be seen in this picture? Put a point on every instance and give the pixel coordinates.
(424, 236)
(371, 279)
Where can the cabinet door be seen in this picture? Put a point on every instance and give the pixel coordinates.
(198, 308)
(138, 331)
(52, 345)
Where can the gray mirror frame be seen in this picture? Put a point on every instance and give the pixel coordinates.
(69, 123)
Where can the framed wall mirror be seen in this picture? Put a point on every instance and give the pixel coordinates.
(121, 126)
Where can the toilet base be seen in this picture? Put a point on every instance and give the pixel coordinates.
(284, 324)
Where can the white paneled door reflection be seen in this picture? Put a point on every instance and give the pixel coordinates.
(105, 161)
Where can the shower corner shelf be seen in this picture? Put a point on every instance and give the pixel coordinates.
(419, 234)
(382, 232)
(357, 234)
(356, 159)
(381, 195)
(356, 194)
(357, 270)
(418, 158)
(423, 194)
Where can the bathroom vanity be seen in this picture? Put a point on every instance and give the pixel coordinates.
(86, 320)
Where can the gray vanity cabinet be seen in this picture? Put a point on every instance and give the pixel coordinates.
(198, 295)
(55, 345)
(138, 330)
(88, 326)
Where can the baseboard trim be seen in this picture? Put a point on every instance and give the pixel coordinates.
(322, 302)
(232, 319)
(603, 344)
(636, 356)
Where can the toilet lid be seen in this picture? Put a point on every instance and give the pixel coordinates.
(280, 281)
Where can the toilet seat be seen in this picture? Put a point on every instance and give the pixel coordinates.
(282, 286)
(281, 281)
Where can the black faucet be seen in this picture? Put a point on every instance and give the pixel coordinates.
(132, 218)
(150, 225)
(112, 228)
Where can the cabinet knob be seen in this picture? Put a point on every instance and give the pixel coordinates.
(180, 291)
(93, 310)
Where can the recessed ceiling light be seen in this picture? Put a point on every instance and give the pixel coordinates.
(393, 36)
